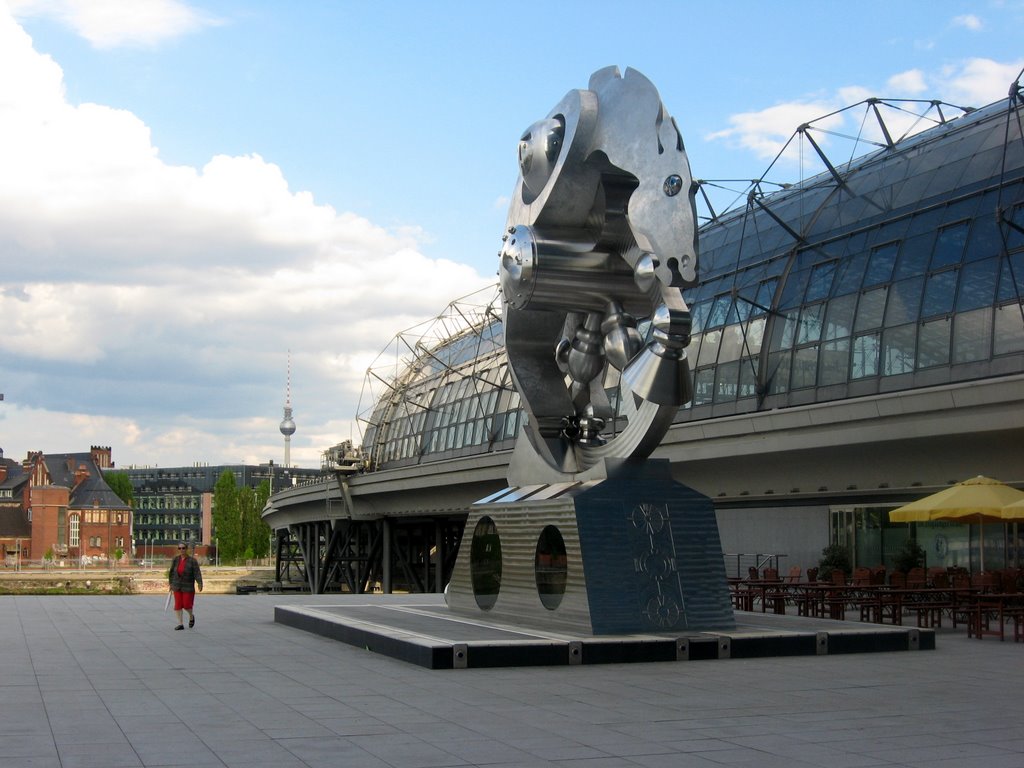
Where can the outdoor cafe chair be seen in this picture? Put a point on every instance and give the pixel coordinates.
(917, 578)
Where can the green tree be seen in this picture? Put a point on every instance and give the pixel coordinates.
(121, 485)
(247, 516)
(255, 533)
(227, 524)
(261, 531)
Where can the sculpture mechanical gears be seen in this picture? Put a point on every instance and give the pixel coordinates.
(601, 235)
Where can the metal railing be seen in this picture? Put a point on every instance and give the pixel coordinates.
(738, 565)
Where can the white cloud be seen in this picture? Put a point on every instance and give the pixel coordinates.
(149, 306)
(116, 23)
(973, 82)
(978, 81)
(968, 21)
(909, 83)
(765, 132)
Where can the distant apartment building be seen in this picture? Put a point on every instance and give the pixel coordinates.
(175, 504)
(60, 505)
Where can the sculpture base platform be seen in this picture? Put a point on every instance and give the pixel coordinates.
(424, 632)
(634, 552)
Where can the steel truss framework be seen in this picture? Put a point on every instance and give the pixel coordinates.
(360, 556)
(884, 123)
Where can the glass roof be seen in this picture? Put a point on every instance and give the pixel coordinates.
(898, 269)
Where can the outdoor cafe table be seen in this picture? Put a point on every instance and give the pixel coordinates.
(876, 602)
(745, 592)
(984, 608)
(879, 603)
(821, 599)
(929, 603)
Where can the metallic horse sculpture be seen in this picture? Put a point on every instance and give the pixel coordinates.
(601, 233)
(600, 241)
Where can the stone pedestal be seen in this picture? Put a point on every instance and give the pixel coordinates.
(633, 553)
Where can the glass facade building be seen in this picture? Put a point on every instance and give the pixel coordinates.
(171, 502)
(899, 270)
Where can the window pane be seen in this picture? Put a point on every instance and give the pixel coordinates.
(977, 285)
(784, 331)
(725, 381)
(1009, 330)
(939, 292)
(698, 316)
(748, 377)
(766, 293)
(962, 209)
(914, 256)
(703, 386)
(835, 362)
(793, 291)
(898, 350)
(1011, 280)
(839, 317)
(820, 284)
(880, 266)
(850, 274)
(719, 312)
(810, 324)
(971, 334)
(778, 372)
(949, 246)
(732, 344)
(870, 309)
(904, 302)
(925, 222)
(1015, 237)
(805, 367)
(755, 336)
(865, 356)
(933, 343)
(984, 240)
(709, 342)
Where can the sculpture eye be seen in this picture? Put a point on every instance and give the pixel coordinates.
(539, 148)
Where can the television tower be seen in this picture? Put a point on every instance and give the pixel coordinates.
(287, 424)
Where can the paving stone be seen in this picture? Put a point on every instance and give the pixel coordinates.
(105, 681)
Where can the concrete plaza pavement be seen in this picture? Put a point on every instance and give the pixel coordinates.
(105, 682)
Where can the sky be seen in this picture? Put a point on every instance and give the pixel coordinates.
(199, 198)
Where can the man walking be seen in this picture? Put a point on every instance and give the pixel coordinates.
(183, 578)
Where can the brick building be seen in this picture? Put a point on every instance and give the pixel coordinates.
(60, 505)
(15, 522)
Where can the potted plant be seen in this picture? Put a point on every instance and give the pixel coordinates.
(912, 555)
(834, 557)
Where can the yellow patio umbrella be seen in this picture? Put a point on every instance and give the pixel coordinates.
(1014, 510)
(978, 500)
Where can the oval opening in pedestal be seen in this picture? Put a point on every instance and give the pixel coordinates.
(551, 565)
(485, 563)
